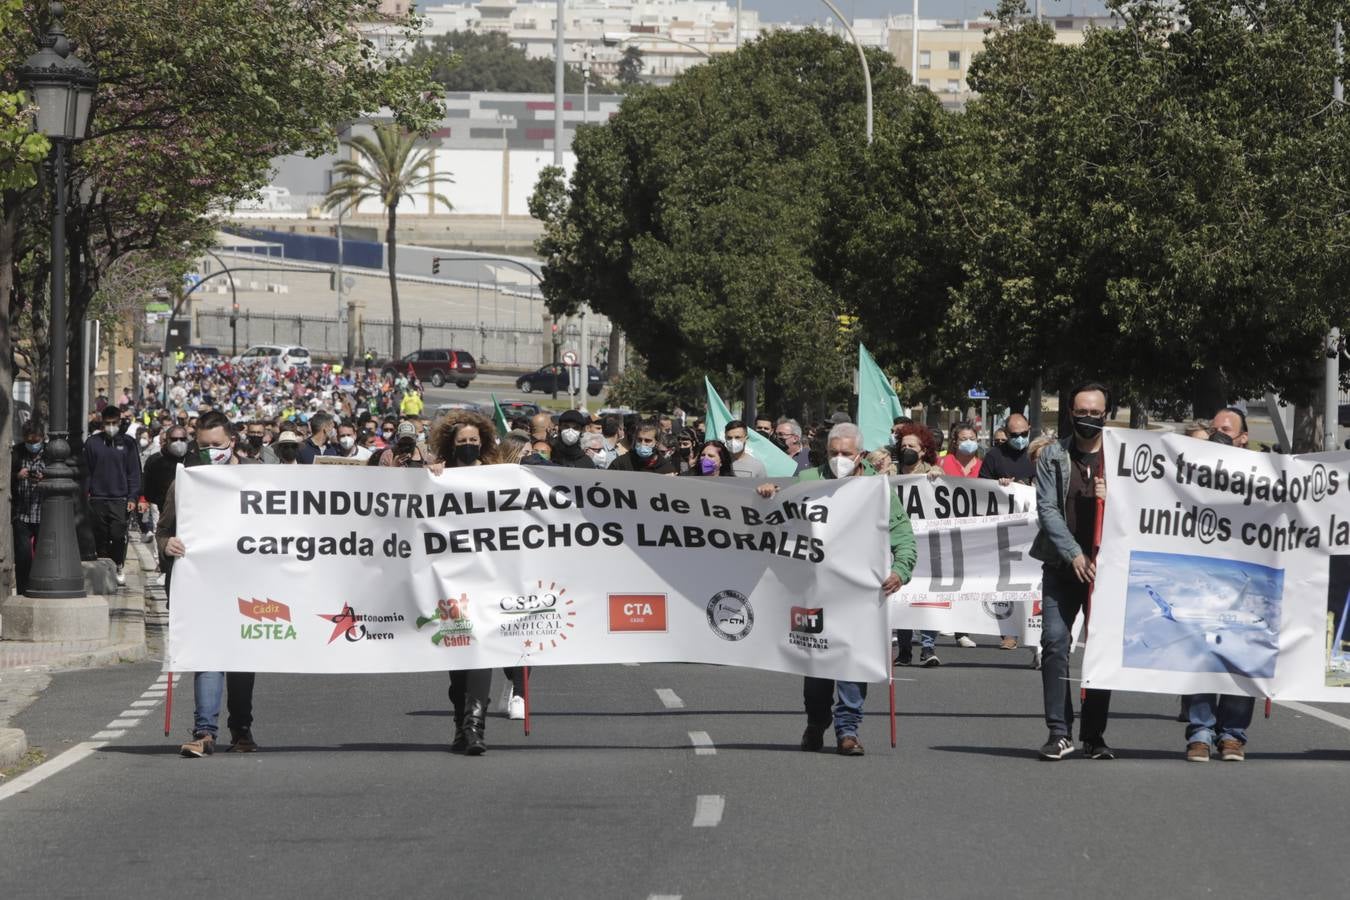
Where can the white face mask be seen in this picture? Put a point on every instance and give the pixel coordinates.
(110, 430)
(347, 442)
(177, 448)
(569, 436)
(842, 466)
(145, 442)
(735, 445)
(220, 455)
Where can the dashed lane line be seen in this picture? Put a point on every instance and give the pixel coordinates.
(703, 744)
(669, 698)
(1331, 718)
(36, 776)
(708, 810)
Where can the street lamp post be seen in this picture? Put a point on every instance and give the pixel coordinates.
(234, 297)
(62, 87)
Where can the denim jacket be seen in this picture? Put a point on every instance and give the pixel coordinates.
(1055, 544)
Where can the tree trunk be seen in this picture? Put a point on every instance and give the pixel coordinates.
(8, 221)
(391, 242)
(1138, 412)
(112, 363)
(614, 359)
(1209, 393)
(1307, 436)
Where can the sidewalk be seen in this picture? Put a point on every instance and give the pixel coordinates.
(25, 668)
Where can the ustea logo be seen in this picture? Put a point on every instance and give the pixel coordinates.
(730, 615)
(268, 616)
(637, 612)
(805, 626)
(451, 618)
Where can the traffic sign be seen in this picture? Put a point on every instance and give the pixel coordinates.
(977, 393)
(569, 358)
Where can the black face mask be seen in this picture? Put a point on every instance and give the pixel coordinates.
(467, 454)
(1088, 427)
(1219, 437)
(286, 453)
(909, 457)
(255, 441)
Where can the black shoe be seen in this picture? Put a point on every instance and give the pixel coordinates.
(813, 738)
(1184, 715)
(461, 740)
(904, 659)
(474, 723)
(1057, 747)
(927, 658)
(1095, 750)
(241, 741)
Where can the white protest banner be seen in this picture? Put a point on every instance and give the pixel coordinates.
(974, 571)
(310, 569)
(1221, 570)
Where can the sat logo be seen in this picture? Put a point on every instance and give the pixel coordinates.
(637, 612)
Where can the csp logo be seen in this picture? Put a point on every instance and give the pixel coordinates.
(730, 615)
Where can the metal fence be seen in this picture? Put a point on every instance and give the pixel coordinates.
(326, 336)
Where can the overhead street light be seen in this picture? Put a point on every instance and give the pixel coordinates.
(63, 87)
(615, 38)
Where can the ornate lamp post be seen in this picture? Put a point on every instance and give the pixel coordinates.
(62, 86)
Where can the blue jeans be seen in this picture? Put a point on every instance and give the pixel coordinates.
(1062, 596)
(206, 689)
(817, 693)
(1226, 715)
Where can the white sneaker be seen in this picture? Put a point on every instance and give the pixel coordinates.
(965, 641)
(515, 709)
(119, 577)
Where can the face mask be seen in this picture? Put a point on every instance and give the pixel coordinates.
(387, 435)
(909, 457)
(286, 453)
(1088, 427)
(111, 430)
(707, 466)
(255, 441)
(177, 448)
(33, 448)
(1019, 443)
(219, 456)
(735, 445)
(347, 442)
(569, 436)
(968, 447)
(643, 450)
(467, 454)
(144, 442)
(842, 466)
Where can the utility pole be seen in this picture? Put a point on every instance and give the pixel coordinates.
(559, 70)
(1330, 415)
(914, 45)
(738, 24)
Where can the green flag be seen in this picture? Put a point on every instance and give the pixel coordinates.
(777, 463)
(877, 403)
(499, 418)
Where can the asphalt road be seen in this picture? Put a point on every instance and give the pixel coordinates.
(615, 794)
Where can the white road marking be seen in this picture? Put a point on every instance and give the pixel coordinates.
(703, 744)
(708, 810)
(106, 735)
(124, 723)
(142, 704)
(48, 769)
(154, 692)
(631, 665)
(665, 897)
(669, 698)
(133, 713)
(1338, 721)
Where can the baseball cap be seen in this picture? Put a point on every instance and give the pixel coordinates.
(288, 437)
(572, 417)
(405, 430)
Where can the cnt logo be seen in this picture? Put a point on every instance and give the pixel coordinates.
(268, 616)
(806, 623)
(451, 618)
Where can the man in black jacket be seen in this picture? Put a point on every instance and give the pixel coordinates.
(567, 448)
(113, 481)
(646, 455)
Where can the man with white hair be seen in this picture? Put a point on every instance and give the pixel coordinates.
(789, 431)
(844, 459)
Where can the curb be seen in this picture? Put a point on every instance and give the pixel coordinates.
(13, 745)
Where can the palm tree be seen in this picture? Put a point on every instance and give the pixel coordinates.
(387, 169)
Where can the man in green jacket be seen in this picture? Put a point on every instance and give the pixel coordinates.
(845, 460)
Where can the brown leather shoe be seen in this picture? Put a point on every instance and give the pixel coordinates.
(202, 744)
(1197, 751)
(1008, 643)
(1231, 750)
(849, 745)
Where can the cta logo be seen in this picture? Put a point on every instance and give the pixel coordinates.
(351, 625)
(805, 626)
(730, 615)
(539, 618)
(637, 612)
(453, 628)
(268, 616)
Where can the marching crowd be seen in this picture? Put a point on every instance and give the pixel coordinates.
(211, 412)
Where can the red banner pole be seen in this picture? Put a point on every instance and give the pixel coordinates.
(168, 705)
(525, 689)
(892, 692)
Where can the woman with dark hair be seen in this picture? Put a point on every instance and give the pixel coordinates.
(713, 459)
(461, 440)
(963, 452)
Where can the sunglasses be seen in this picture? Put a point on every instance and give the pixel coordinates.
(999, 442)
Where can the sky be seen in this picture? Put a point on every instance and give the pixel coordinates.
(814, 10)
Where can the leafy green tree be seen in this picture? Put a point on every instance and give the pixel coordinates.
(630, 66)
(488, 61)
(389, 169)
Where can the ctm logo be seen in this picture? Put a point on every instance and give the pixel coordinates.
(808, 620)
